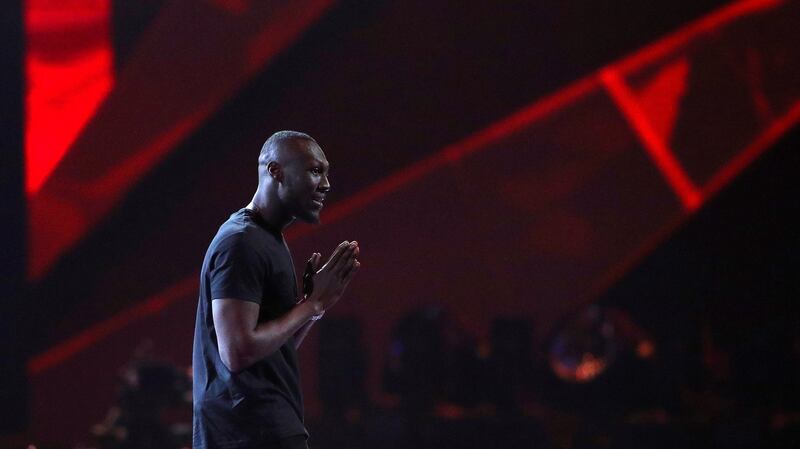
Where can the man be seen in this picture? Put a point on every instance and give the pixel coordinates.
(250, 318)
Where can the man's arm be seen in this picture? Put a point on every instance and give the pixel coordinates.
(242, 341)
(301, 333)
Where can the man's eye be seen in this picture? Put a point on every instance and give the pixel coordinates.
(316, 171)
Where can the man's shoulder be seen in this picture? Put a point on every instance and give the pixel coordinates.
(241, 234)
(241, 227)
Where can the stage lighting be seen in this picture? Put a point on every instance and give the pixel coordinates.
(585, 347)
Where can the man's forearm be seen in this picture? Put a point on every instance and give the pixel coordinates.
(301, 333)
(269, 336)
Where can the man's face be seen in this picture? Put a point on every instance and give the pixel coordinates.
(305, 181)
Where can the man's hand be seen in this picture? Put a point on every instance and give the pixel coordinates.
(331, 280)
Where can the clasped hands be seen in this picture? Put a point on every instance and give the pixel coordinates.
(323, 286)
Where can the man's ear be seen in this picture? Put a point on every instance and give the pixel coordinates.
(274, 169)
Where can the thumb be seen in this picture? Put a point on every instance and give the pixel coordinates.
(315, 258)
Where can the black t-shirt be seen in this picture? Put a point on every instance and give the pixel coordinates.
(247, 260)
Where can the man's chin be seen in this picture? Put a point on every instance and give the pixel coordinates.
(309, 217)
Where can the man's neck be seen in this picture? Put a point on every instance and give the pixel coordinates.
(270, 215)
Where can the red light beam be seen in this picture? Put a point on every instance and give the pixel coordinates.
(657, 149)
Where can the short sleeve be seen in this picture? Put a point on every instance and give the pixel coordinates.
(238, 270)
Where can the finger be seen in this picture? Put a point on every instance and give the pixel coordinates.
(345, 260)
(315, 258)
(311, 265)
(352, 272)
(337, 253)
(349, 268)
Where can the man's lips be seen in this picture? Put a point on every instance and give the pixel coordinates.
(318, 202)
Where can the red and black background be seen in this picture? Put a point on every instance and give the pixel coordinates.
(500, 159)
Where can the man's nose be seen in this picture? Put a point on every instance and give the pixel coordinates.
(324, 185)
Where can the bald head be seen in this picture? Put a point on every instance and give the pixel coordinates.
(283, 144)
